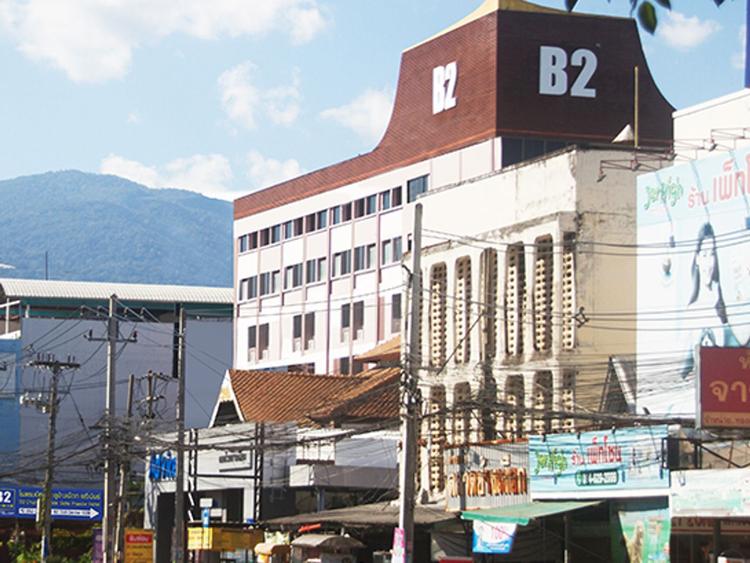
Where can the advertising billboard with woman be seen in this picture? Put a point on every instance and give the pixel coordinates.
(693, 273)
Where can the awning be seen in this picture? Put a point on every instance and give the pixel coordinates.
(327, 541)
(366, 515)
(523, 513)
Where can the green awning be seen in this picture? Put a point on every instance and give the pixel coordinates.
(523, 513)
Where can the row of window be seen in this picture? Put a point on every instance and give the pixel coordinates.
(314, 270)
(303, 328)
(339, 214)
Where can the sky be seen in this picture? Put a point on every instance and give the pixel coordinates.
(224, 97)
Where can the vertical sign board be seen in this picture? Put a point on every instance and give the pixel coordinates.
(693, 273)
(399, 546)
(641, 531)
(723, 387)
(139, 545)
(625, 462)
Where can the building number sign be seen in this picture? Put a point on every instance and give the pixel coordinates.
(553, 73)
(444, 87)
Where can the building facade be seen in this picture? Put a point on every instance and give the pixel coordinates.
(318, 278)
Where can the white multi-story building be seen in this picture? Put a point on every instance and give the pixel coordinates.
(318, 275)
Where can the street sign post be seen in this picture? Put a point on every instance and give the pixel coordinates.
(67, 504)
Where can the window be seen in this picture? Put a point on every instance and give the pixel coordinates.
(243, 243)
(275, 234)
(359, 258)
(542, 294)
(397, 251)
(252, 287)
(263, 341)
(385, 200)
(252, 338)
(297, 326)
(298, 226)
(242, 290)
(359, 319)
(336, 215)
(293, 276)
(415, 187)
(396, 313)
(310, 223)
(344, 365)
(322, 219)
(253, 243)
(288, 230)
(370, 260)
(359, 208)
(322, 272)
(275, 281)
(346, 212)
(265, 237)
(345, 316)
(311, 271)
(342, 263)
(437, 314)
(396, 196)
(265, 283)
(371, 204)
(309, 330)
(462, 310)
(386, 252)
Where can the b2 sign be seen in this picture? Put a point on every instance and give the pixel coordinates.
(444, 87)
(553, 72)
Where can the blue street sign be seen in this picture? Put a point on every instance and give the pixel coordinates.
(67, 504)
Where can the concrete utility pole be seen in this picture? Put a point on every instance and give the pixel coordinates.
(411, 400)
(110, 504)
(122, 503)
(178, 553)
(49, 406)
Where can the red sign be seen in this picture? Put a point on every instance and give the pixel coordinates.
(724, 388)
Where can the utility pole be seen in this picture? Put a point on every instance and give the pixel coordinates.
(178, 553)
(112, 339)
(124, 476)
(49, 406)
(411, 400)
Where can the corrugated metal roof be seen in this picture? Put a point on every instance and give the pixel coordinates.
(78, 290)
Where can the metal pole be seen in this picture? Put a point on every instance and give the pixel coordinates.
(124, 478)
(410, 404)
(46, 507)
(109, 414)
(178, 553)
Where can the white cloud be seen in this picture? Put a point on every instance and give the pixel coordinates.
(264, 172)
(94, 40)
(208, 174)
(367, 115)
(243, 100)
(738, 58)
(684, 33)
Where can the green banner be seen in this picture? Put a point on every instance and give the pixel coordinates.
(640, 531)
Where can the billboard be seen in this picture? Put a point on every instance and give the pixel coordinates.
(693, 274)
(602, 464)
(640, 531)
(722, 389)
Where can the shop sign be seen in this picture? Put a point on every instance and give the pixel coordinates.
(683, 525)
(139, 545)
(222, 539)
(723, 387)
(486, 476)
(711, 493)
(640, 532)
(398, 550)
(162, 467)
(493, 537)
(599, 464)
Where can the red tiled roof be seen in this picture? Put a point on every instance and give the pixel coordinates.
(293, 397)
(387, 351)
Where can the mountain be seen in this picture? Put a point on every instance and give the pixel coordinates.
(98, 227)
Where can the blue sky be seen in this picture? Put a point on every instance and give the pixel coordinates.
(227, 96)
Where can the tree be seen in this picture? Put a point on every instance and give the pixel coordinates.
(645, 9)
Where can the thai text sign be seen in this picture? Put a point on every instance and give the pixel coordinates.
(723, 385)
(493, 537)
(697, 493)
(600, 464)
(139, 545)
(486, 476)
(67, 504)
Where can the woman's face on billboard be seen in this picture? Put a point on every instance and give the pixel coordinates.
(705, 260)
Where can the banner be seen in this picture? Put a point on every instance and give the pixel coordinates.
(493, 537)
(640, 531)
(723, 384)
(600, 464)
(693, 273)
(711, 493)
